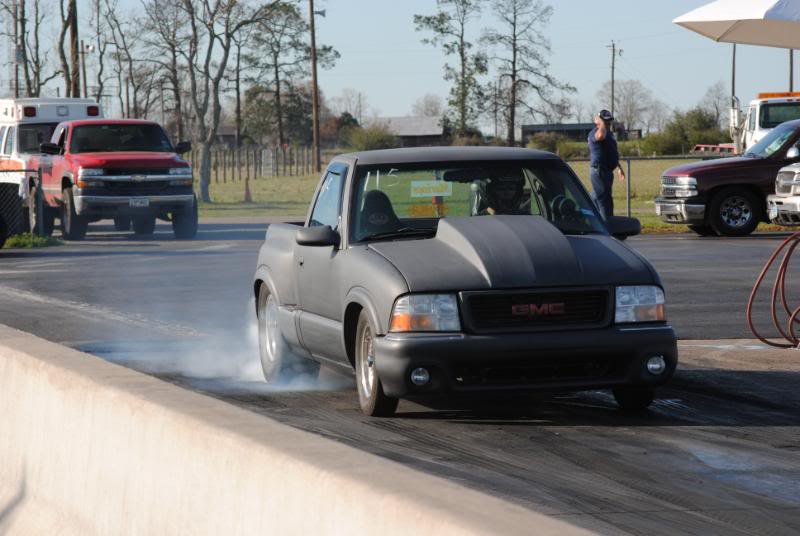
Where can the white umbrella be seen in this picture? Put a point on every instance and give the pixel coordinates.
(771, 23)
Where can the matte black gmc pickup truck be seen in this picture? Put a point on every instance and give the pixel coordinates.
(461, 270)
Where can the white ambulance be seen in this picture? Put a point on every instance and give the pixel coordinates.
(24, 124)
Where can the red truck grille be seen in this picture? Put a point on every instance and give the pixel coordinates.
(535, 310)
(136, 171)
(136, 187)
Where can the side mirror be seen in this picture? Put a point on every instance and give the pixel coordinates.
(793, 153)
(317, 236)
(621, 227)
(183, 147)
(49, 148)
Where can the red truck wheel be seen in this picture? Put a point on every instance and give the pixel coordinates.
(184, 224)
(73, 227)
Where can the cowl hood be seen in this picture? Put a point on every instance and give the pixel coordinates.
(511, 252)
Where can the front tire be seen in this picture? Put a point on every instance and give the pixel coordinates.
(184, 224)
(144, 225)
(278, 362)
(634, 399)
(735, 211)
(371, 397)
(73, 226)
(122, 223)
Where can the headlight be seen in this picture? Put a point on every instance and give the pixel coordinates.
(91, 172)
(425, 312)
(639, 304)
(90, 184)
(180, 171)
(678, 186)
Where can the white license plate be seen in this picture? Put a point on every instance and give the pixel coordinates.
(139, 203)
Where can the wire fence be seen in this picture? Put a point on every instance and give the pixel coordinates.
(253, 162)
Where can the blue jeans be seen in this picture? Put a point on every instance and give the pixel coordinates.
(602, 181)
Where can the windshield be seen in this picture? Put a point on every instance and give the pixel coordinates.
(119, 137)
(409, 200)
(774, 140)
(33, 135)
(773, 115)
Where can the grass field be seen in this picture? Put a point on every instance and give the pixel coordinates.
(289, 196)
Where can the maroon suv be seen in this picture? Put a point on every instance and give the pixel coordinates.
(727, 196)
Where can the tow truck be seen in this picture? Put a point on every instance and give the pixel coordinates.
(763, 114)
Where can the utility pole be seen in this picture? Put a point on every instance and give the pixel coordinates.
(75, 89)
(733, 75)
(614, 52)
(791, 70)
(83, 68)
(16, 49)
(315, 87)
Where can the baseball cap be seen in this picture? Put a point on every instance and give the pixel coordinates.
(605, 115)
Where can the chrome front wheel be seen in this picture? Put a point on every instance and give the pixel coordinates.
(371, 398)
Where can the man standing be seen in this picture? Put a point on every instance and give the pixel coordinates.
(604, 156)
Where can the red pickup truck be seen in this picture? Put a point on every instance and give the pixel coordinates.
(124, 169)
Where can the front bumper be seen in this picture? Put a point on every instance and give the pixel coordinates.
(591, 359)
(784, 210)
(687, 211)
(108, 205)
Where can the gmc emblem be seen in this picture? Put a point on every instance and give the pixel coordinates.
(535, 310)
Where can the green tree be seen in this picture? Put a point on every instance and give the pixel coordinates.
(684, 131)
(449, 28)
(279, 55)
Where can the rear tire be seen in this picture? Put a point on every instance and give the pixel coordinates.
(278, 362)
(735, 211)
(184, 224)
(703, 230)
(144, 225)
(48, 217)
(73, 227)
(122, 223)
(371, 398)
(634, 399)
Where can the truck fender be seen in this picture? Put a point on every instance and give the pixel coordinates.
(287, 316)
(356, 300)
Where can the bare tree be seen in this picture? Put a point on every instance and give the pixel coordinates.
(101, 39)
(66, 70)
(353, 102)
(657, 116)
(520, 54)
(212, 26)
(166, 27)
(29, 43)
(632, 101)
(428, 105)
(449, 28)
(717, 101)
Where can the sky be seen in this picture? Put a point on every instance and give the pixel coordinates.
(383, 57)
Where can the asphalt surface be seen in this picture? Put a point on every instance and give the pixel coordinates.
(718, 454)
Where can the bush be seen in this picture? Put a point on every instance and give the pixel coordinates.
(28, 240)
(572, 150)
(467, 140)
(546, 141)
(368, 138)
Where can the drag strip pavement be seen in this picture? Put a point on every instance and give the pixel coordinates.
(720, 452)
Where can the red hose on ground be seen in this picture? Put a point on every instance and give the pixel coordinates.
(778, 290)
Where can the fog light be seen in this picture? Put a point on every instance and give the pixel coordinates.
(656, 365)
(420, 376)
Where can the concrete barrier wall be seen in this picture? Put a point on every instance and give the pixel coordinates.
(89, 447)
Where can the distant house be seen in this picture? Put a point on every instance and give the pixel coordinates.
(413, 131)
(226, 135)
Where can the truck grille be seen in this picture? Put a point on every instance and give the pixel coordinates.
(783, 184)
(135, 171)
(535, 310)
(135, 187)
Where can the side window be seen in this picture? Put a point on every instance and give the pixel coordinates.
(9, 146)
(751, 122)
(2, 133)
(326, 209)
(62, 138)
